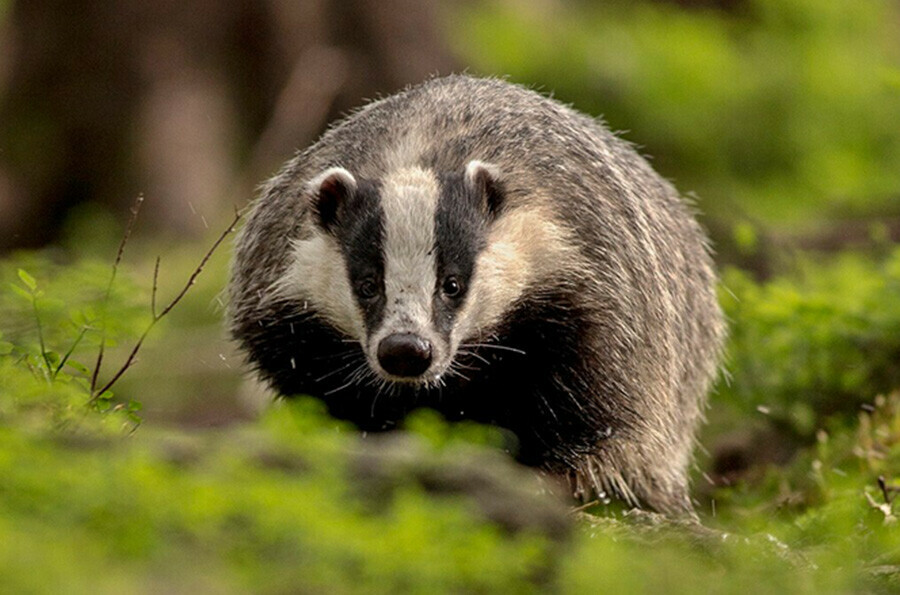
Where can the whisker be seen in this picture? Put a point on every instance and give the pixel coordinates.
(384, 387)
(458, 374)
(491, 346)
(341, 355)
(340, 388)
(352, 378)
(375, 381)
(335, 371)
(474, 354)
(360, 373)
(464, 366)
(453, 370)
(379, 390)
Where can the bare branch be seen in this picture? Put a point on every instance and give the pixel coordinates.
(157, 317)
(155, 287)
(135, 209)
(193, 278)
(128, 362)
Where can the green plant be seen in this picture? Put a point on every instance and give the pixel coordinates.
(813, 347)
(89, 318)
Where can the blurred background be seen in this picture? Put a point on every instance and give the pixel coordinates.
(779, 118)
(779, 114)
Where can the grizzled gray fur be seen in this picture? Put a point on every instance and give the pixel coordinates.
(472, 246)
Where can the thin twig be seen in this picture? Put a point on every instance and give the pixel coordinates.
(157, 317)
(155, 287)
(885, 491)
(199, 269)
(68, 354)
(135, 209)
(128, 363)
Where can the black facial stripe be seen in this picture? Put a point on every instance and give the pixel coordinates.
(360, 232)
(459, 231)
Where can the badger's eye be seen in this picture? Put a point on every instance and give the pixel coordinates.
(452, 287)
(367, 288)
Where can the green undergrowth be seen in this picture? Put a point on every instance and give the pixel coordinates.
(815, 347)
(272, 507)
(93, 500)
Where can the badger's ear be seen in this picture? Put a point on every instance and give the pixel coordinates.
(328, 192)
(485, 180)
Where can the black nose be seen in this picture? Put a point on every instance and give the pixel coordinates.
(404, 354)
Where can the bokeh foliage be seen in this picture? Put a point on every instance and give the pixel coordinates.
(813, 347)
(780, 110)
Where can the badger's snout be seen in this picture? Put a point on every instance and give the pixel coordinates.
(405, 354)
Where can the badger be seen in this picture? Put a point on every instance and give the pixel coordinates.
(472, 246)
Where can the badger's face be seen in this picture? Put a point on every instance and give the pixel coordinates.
(402, 264)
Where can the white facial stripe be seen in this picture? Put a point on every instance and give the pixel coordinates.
(405, 150)
(523, 246)
(317, 279)
(409, 200)
(317, 276)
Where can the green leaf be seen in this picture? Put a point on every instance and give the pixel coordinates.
(6, 347)
(27, 279)
(50, 303)
(21, 292)
(78, 367)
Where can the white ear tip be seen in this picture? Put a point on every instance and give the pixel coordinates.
(336, 173)
(477, 166)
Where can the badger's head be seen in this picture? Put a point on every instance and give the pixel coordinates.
(412, 265)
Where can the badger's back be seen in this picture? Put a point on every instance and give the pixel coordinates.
(618, 315)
